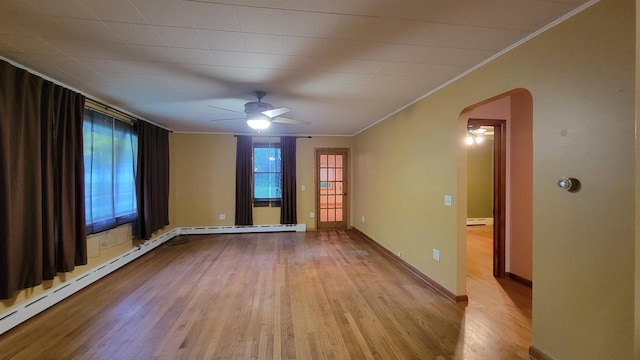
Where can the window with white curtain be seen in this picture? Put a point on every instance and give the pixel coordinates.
(110, 155)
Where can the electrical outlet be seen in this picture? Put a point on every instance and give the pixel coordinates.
(436, 254)
(447, 200)
(362, 218)
(222, 216)
(312, 214)
(399, 254)
(303, 188)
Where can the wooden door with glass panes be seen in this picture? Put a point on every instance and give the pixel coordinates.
(332, 205)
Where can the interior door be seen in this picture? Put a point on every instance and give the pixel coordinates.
(332, 179)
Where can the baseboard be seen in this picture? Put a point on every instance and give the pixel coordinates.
(412, 269)
(28, 309)
(536, 354)
(520, 279)
(479, 221)
(242, 229)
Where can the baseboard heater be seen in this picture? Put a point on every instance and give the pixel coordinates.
(28, 309)
(242, 229)
(479, 221)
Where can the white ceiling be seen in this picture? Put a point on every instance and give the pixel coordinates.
(341, 64)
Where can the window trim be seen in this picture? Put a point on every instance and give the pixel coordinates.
(265, 202)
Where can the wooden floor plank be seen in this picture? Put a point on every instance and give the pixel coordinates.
(324, 295)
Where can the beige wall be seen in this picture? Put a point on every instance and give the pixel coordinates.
(203, 171)
(520, 187)
(480, 180)
(581, 77)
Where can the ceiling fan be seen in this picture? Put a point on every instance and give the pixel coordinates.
(259, 115)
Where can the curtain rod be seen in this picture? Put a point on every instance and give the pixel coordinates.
(297, 137)
(111, 111)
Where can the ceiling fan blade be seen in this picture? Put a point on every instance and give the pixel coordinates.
(275, 112)
(221, 108)
(290, 121)
(238, 118)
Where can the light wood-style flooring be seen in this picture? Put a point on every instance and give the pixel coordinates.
(324, 295)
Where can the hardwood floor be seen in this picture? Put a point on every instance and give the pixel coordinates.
(498, 306)
(321, 295)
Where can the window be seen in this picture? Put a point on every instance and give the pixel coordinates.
(267, 175)
(110, 154)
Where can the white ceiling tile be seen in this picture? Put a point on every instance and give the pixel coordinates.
(91, 49)
(229, 58)
(459, 36)
(88, 30)
(164, 12)
(355, 79)
(326, 6)
(103, 65)
(153, 53)
(304, 46)
(269, 61)
(181, 37)
(358, 66)
(361, 7)
(18, 7)
(264, 44)
(11, 24)
(8, 50)
(440, 55)
(505, 14)
(276, 4)
(194, 56)
(114, 10)
(213, 16)
(30, 45)
(223, 40)
(352, 27)
(41, 26)
(414, 69)
(63, 8)
(136, 34)
(261, 20)
(142, 68)
(301, 23)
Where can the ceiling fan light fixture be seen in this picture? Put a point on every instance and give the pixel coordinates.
(258, 123)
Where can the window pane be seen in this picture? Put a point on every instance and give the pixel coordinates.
(332, 214)
(332, 174)
(339, 161)
(323, 161)
(267, 172)
(323, 201)
(338, 214)
(332, 161)
(110, 154)
(323, 215)
(338, 174)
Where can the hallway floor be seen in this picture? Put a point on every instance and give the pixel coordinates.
(496, 306)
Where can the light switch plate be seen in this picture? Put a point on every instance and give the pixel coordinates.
(222, 216)
(447, 200)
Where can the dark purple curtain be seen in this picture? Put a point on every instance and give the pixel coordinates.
(152, 179)
(244, 181)
(288, 209)
(42, 220)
